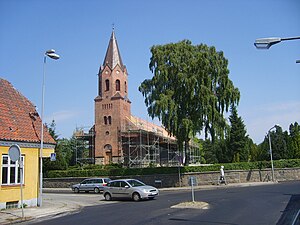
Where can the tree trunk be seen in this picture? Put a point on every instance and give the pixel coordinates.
(186, 153)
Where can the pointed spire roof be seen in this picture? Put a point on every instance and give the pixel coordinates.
(113, 57)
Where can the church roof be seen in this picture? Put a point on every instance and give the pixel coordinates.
(19, 120)
(113, 56)
(136, 123)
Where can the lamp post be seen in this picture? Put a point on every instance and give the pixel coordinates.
(51, 54)
(266, 43)
(271, 155)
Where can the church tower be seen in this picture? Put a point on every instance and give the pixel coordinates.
(112, 106)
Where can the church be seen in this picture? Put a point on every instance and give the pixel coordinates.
(119, 137)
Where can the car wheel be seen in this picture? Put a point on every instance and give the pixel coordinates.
(107, 197)
(136, 197)
(96, 190)
(76, 190)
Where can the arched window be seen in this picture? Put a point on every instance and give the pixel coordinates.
(106, 85)
(109, 120)
(118, 85)
(108, 148)
(125, 87)
(105, 120)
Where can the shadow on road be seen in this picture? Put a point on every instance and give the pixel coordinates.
(290, 212)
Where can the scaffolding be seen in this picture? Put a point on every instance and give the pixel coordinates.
(139, 145)
(85, 145)
(145, 146)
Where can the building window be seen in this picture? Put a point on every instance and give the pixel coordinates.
(108, 148)
(109, 120)
(106, 85)
(125, 87)
(105, 120)
(118, 85)
(11, 171)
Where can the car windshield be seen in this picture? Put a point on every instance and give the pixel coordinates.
(135, 183)
(106, 180)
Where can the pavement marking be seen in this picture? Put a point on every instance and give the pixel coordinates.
(296, 217)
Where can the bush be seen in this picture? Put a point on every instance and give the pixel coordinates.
(116, 170)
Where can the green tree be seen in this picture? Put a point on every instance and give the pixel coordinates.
(279, 140)
(60, 163)
(210, 153)
(252, 149)
(237, 143)
(199, 151)
(222, 151)
(190, 90)
(294, 141)
(52, 130)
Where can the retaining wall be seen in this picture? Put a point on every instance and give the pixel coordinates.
(202, 178)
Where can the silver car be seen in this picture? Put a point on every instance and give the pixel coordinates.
(91, 184)
(129, 188)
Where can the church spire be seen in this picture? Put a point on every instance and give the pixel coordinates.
(113, 57)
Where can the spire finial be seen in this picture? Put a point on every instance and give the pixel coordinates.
(113, 26)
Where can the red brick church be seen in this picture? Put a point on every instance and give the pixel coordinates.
(118, 136)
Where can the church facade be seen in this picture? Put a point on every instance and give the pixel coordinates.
(112, 105)
(117, 136)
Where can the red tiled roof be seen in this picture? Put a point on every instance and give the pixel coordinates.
(19, 120)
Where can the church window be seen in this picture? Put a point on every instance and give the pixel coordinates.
(105, 120)
(108, 147)
(117, 85)
(125, 87)
(109, 120)
(106, 85)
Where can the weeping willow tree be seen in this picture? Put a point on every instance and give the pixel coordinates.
(190, 90)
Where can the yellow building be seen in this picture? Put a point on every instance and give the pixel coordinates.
(20, 124)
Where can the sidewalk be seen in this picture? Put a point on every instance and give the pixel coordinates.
(49, 208)
(55, 207)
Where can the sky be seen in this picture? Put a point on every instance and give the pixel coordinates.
(79, 31)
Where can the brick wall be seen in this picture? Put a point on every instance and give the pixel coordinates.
(111, 110)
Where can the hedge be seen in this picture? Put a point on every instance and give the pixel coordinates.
(115, 170)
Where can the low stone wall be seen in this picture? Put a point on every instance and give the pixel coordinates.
(203, 178)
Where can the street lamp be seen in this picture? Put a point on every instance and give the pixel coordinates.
(266, 43)
(51, 54)
(271, 155)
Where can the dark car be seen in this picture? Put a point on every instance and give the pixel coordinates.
(91, 184)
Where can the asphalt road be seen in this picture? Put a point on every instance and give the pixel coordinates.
(259, 205)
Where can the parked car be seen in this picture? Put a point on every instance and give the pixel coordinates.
(129, 188)
(91, 184)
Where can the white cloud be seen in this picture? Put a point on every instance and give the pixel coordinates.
(62, 116)
(66, 121)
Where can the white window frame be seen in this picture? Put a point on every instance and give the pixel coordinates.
(9, 165)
